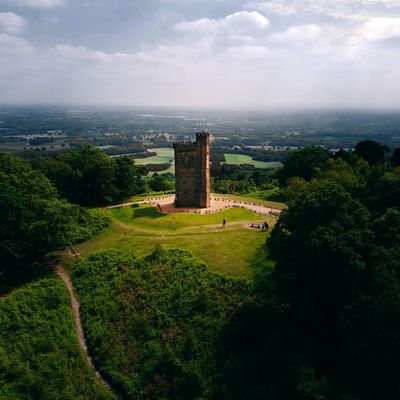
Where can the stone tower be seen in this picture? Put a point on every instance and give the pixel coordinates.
(192, 172)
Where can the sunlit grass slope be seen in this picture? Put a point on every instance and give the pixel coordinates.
(234, 249)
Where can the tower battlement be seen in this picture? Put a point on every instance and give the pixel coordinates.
(184, 146)
(192, 172)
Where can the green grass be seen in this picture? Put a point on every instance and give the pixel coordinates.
(231, 250)
(237, 159)
(148, 217)
(254, 197)
(164, 155)
(148, 195)
(39, 353)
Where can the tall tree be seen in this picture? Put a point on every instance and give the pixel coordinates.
(371, 151)
(303, 163)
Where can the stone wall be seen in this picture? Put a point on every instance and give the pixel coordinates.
(192, 172)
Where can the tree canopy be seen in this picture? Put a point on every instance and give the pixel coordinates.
(34, 219)
(88, 177)
(303, 163)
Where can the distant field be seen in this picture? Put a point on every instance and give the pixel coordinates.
(164, 155)
(235, 249)
(237, 159)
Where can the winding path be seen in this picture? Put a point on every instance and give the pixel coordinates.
(60, 271)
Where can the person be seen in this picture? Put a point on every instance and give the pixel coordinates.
(223, 222)
(265, 227)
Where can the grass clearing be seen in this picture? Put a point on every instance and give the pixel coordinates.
(231, 249)
(253, 198)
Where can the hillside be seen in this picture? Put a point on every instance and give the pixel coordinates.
(153, 324)
(39, 353)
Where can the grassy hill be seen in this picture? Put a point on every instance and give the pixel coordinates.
(236, 249)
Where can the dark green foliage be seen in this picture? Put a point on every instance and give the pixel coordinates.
(89, 177)
(326, 325)
(242, 179)
(371, 151)
(161, 183)
(153, 324)
(336, 230)
(33, 219)
(40, 358)
(303, 163)
(395, 158)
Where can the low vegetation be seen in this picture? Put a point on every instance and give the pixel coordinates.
(153, 324)
(39, 353)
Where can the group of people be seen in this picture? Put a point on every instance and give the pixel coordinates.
(264, 226)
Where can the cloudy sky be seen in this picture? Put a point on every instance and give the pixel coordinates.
(218, 53)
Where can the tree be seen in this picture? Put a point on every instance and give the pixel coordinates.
(162, 182)
(320, 244)
(88, 177)
(33, 219)
(371, 151)
(303, 163)
(128, 176)
(395, 158)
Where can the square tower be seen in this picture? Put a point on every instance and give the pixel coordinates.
(192, 172)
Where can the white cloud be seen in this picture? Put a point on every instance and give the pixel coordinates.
(347, 9)
(275, 7)
(33, 3)
(301, 33)
(11, 23)
(378, 28)
(239, 60)
(239, 22)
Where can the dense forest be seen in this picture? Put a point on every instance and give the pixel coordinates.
(324, 324)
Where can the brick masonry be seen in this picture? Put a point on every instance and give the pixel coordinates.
(192, 172)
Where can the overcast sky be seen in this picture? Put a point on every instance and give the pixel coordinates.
(223, 53)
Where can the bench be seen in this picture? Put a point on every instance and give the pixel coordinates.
(253, 225)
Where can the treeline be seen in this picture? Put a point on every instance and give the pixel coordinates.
(326, 323)
(244, 179)
(89, 177)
